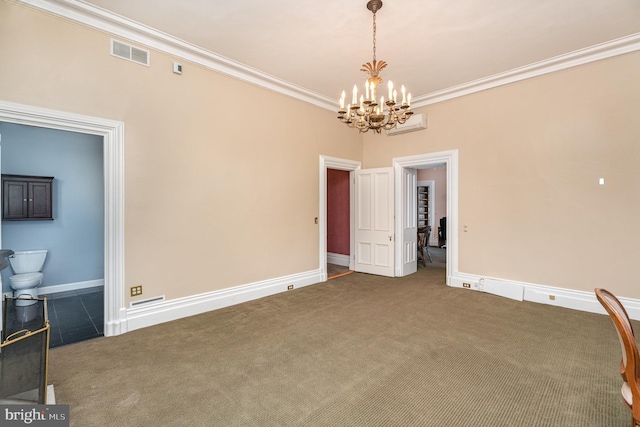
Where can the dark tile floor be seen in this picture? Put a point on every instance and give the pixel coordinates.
(76, 315)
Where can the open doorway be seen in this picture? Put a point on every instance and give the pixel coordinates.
(432, 214)
(112, 133)
(338, 223)
(334, 163)
(73, 270)
(406, 206)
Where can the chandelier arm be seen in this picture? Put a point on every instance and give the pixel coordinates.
(362, 125)
(390, 125)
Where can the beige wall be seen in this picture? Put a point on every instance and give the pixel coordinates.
(530, 155)
(214, 198)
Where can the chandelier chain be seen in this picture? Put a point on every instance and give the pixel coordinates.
(374, 37)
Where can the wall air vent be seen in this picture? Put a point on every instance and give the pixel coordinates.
(130, 53)
(147, 301)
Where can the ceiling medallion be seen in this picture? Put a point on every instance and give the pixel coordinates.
(368, 113)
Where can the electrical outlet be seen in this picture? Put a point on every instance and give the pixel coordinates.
(466, 285)
(136, 291)
(290, 287)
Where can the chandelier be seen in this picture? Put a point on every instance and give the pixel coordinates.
(368, 113)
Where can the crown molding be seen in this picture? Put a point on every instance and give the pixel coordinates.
(119, 26)
(92, 16)
(594, 53)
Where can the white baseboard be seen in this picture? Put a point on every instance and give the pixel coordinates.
(338, 259)
(542, 294)
(165, 311)
(70, 286)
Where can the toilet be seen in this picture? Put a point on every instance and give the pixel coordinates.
(27, 266)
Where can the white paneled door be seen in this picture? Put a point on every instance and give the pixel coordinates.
(374, 225)
(409, 224)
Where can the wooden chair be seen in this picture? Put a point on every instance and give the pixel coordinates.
(630, 364)
(423, 244)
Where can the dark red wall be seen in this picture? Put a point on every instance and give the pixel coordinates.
(338, 211)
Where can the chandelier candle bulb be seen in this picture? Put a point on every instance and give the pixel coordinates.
(409, 100)
(404, 96)
(342, 101)
(395, 96)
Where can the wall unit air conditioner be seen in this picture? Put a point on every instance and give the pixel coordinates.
(415, 122)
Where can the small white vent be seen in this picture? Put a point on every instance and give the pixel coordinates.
(146, 301)
(130, 53)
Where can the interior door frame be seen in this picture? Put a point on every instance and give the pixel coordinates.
(450, 159)
(328, 162)
(112, 132)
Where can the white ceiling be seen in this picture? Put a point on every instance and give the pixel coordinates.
(430, 45)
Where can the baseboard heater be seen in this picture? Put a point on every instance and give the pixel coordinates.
(146, 301)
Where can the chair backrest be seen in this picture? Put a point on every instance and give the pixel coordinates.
(423, 236)
(620, 318)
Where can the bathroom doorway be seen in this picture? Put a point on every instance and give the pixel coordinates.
(74, 269)
(112, 133)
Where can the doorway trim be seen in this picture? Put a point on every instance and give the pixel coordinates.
(327, 162)
(450, 159)
(112, 133)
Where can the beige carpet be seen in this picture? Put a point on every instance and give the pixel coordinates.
(359, 350)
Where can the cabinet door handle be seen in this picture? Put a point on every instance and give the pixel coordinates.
(31, 200)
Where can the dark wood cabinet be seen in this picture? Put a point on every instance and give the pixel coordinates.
(26, 197)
